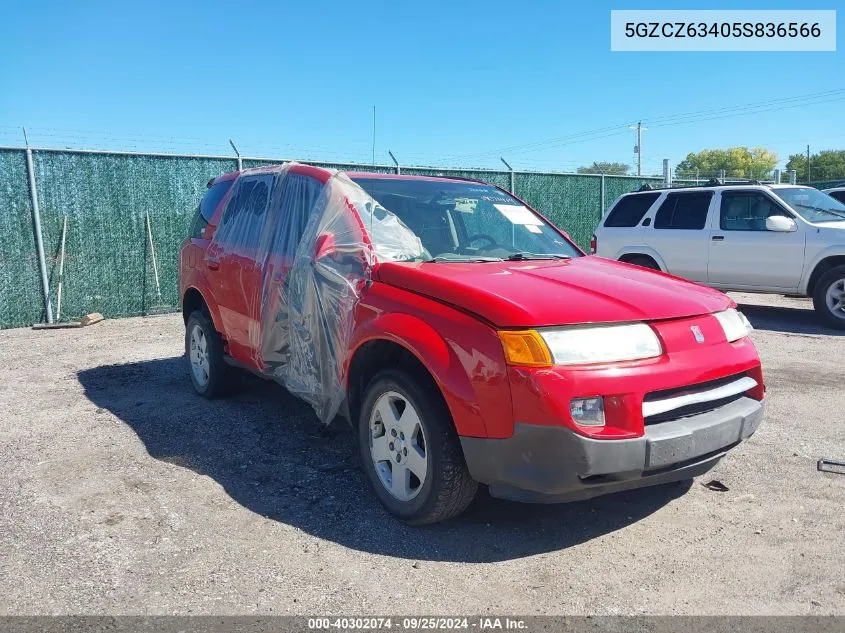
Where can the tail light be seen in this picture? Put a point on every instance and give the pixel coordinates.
(593, 245)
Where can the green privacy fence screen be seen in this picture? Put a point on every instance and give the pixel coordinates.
(107, 198)
(828, 184)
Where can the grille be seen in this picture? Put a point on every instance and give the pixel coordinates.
(691, 409)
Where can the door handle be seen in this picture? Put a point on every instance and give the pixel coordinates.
(213, 263)
(718, 238)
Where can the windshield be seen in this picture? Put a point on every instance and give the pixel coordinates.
(468, 221)
(811, 204)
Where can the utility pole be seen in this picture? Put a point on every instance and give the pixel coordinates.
(638, 149)
(808, 164)
(374, 135)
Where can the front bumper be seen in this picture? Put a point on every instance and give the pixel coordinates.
(555, 464)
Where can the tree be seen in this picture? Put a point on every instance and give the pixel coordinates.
(826, 165)
(612, 169)
(739, 162)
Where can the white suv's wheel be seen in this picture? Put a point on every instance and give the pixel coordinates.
(829, 297)
(410, 450)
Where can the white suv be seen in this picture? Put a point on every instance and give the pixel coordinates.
(836, 192)
(781, 239)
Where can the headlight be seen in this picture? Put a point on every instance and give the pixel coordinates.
(734, 324)
(601, 344)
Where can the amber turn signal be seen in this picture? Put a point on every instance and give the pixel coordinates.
(526, 348)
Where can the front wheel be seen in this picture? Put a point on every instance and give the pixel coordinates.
(410, 450)
(829, 297)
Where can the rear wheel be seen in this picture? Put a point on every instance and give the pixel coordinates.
(410, 450)
(829, 297)
(204, 349)
(644, 261)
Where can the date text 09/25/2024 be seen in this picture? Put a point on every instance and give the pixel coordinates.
(416, 623)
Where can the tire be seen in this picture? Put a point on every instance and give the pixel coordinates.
(829, 289)
(200, 328)
(644, 261)
(430, 448)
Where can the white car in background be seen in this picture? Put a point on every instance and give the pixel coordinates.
(836, 192)
(782, 239)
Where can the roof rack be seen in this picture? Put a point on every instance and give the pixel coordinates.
(712, 182)
(648, 187)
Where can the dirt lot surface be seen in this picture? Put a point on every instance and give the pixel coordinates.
(123, 492)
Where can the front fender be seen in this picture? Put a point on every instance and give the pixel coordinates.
(837, 250)
(463, 355)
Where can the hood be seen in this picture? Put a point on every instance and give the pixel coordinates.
(587, 289)
(837, 225)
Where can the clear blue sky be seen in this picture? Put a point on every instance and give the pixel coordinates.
(454, 83)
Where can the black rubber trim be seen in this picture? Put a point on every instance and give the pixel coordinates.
(557, 461)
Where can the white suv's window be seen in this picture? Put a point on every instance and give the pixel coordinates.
(747, 211)
(684, 211)
(630, 210)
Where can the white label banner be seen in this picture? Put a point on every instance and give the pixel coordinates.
(723, 30)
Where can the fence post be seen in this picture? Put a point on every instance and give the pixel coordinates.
(36, 227)
(510, 169)
(667, 179)
(777, 176)
(395, 162)
(601, 214)
(238, 154)
(722, 175)
(793, 176)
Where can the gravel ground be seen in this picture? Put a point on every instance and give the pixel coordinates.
(123, 492)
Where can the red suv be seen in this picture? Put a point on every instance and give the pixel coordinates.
(465, 337)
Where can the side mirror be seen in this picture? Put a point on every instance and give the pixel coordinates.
(780, 224)
(324, 246)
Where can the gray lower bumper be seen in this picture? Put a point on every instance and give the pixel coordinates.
(550, 464)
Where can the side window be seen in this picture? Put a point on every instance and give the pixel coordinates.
(245, 214)
(297, 200)
(207, 207)
(684, 211)
(838, 195)
(747, 211)
(630, 210)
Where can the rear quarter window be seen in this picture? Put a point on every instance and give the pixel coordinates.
(210, 201)
(838, 195)
(630, 210)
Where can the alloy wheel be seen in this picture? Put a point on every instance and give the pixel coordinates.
(199, 356)
(398, 446)
(835, 298)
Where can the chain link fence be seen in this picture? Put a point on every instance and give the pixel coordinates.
(123, 209)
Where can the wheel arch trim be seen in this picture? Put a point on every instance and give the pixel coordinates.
(642, 250)
(434, 353)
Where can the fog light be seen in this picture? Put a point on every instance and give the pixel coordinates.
(588, 411)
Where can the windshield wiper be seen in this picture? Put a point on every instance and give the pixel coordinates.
(453, 260)
(830, 211)
(517, 257)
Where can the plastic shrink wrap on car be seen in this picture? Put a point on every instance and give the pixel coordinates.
(312, 278)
